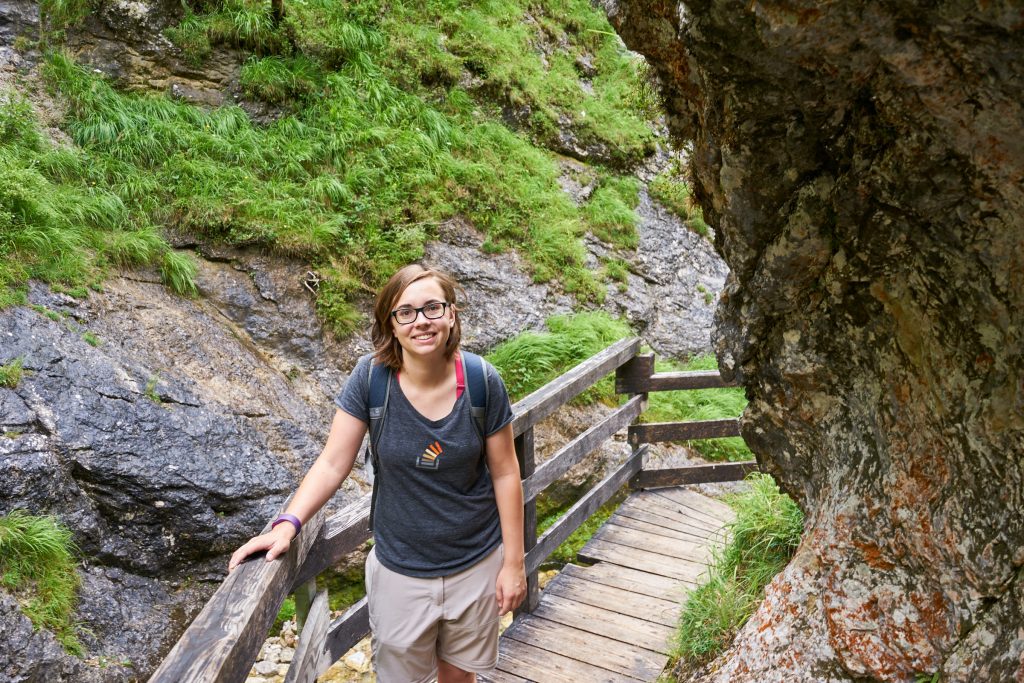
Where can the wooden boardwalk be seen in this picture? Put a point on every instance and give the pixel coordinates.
(614, 621)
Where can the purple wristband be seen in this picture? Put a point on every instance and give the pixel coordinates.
(296, 522)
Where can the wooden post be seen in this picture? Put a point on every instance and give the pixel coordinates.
(310, 657)
(632, 377)
(304, 595)
(527, 465)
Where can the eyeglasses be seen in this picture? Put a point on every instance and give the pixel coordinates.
(407, 315)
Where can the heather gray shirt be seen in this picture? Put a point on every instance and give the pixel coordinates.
(435, 513)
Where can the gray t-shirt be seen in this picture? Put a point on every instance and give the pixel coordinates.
(435, 513)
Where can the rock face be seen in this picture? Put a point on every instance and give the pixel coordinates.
(124, 39)
(163, 432)
(863, 163)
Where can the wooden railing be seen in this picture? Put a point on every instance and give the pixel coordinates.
(223, 642)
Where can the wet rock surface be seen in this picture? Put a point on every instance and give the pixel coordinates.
(164, 432)
(863, 168)
(31, 655)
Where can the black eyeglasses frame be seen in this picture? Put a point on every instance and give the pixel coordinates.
(444, 309)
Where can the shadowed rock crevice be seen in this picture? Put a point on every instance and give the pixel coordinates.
(864, 163)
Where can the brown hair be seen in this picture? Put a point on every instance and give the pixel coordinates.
(386, 348)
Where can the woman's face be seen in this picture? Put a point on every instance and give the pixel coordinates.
(423, 337)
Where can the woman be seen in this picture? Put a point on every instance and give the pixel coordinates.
(448, 518)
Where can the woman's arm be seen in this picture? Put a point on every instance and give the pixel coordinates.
(319, 484)
(508, 491)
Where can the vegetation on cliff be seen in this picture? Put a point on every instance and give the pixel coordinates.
(392, 119)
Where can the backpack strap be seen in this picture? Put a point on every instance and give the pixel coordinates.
(475, 373)
(380, 388)
(379, 381)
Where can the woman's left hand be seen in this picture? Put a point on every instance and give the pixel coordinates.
(511, 586)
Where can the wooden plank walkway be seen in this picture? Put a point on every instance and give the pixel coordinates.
(614, 621)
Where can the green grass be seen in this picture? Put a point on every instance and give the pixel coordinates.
(436, 45)
(700, 404)
(60, 220)
(150, 391)
(43, 310)
(762, 539)
(10, 373)
(532, 359)
(671, 190)
(244, 24)
(321, 185)
(58, 14)
(570, 548)
(37, 565)
(610, 212)
(617, 270)
(281, 79)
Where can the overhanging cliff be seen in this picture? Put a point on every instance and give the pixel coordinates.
(864, 162)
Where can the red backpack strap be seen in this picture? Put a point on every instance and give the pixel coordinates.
(460, 377)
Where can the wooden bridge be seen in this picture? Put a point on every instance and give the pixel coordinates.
(608, 622)
(615, 620)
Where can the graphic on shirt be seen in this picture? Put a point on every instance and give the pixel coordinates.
(428, 460)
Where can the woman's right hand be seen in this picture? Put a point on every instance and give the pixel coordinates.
(276, 542)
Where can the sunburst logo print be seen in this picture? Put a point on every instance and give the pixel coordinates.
(428, 460)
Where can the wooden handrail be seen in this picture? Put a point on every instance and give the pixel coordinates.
(694, 474)
(342, 533)
(223, 641)
(583, 509)
(577, 449)
(556, 393)
(653, 432)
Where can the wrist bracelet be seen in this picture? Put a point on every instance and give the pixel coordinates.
(296, 522)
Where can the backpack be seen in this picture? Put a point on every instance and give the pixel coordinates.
(471, 376)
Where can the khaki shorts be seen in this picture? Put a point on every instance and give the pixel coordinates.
(416, 621)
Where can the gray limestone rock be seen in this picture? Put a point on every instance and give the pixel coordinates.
(168, 442)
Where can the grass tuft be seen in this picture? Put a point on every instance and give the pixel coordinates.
(610, 213)
(671, 190)
(10, 373)
(58, 14)
(281, 79)
(37, 565)
(179, 272)
(762, 539)
(533, 359)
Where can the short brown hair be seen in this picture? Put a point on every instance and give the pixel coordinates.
(386, 348)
